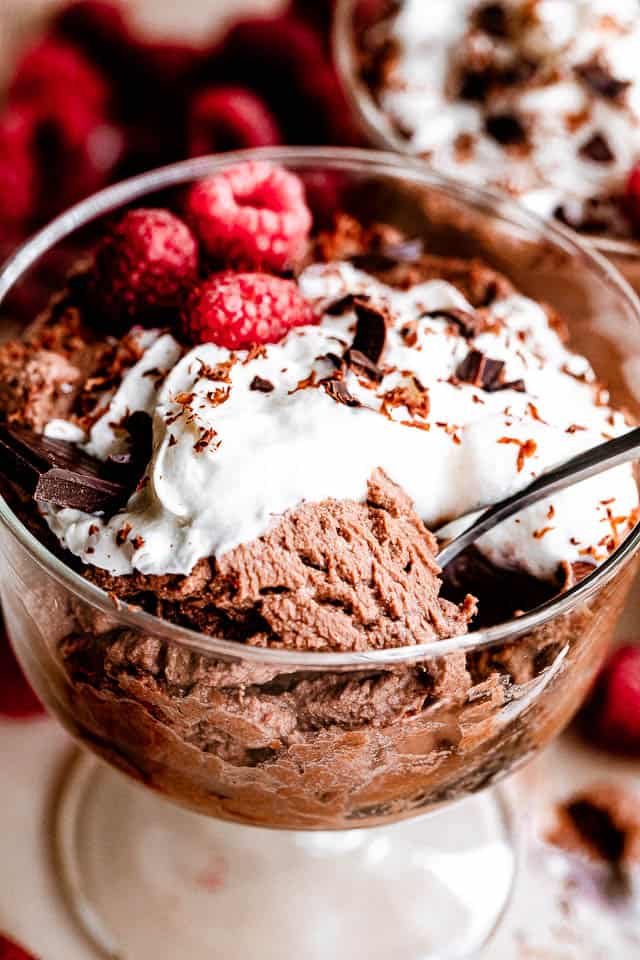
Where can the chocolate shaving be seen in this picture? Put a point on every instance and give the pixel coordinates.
(338, 391)
(480, 370)
(261, 385)
(506, 128)
(468, 323)
(597, 149)
(371, 330)
(361, 364)
(599, 78)
(57, 472)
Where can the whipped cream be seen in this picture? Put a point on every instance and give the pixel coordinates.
(230, 458)
(580, 134)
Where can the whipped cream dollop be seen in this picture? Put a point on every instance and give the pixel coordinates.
(238, 439)
(540, 100)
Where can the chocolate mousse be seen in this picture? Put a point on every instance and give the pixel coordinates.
(267, 469)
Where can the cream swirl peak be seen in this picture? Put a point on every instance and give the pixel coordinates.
(462, 408)
(537, 98)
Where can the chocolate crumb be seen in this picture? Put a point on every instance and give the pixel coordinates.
(469, 324)
(492, 18)
(123, 533)
(597, 150)
(598, 77)
(506, 128)
(205, 439)
(601, 823)
(261, 385)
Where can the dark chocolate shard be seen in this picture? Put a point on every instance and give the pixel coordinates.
(480, 370)
(261, 385)
(598, 77)
(338, 391)
(58, 472)
(467, 322)
(361, 364)
(597, 150)
(371, 329)
(506, 128)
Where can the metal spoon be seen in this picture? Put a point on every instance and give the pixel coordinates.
(587, 464)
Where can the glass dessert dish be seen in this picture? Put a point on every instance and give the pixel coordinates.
(367, 766)
(605, 227)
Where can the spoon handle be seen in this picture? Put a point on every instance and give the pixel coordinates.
(584, 465)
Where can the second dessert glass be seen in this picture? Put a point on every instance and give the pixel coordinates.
(351, 18)
(190, 717)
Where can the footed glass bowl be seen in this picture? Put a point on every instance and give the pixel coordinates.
(237, 733)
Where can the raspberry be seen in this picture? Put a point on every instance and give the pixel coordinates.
(238, 310)
(18, 174)
(252, 215)
(611, 717)
(632, 196)
(229, 118)
(17, 699)
(11, 951)
(273, 56)
(77, 149)
(53, 66)
(144, 266)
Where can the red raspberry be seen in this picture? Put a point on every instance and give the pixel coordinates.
(632, 197)
(17, 699)
(144, 266)
(52, 66)
(237, 310)
(18, 174)
(612, 714)
(229, 118)
(11, 951)
(252, 215)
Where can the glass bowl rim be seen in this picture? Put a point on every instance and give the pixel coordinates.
(411, 170)
(385, 138)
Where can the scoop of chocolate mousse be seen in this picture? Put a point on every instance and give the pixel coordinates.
(336, 575)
